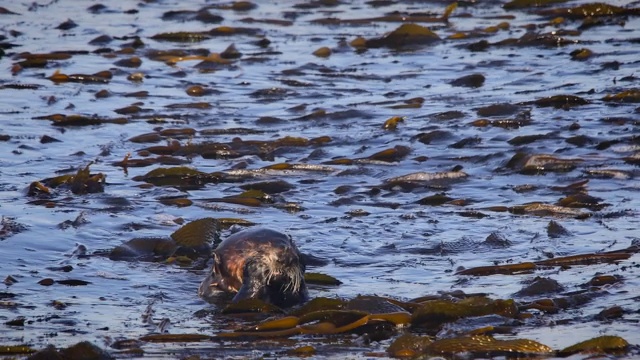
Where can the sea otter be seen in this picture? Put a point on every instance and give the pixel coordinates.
(257, 263)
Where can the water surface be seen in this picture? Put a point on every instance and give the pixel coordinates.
(400, 248)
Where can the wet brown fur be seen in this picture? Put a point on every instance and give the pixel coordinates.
(259, 263)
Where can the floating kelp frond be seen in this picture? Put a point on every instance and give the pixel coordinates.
(393, 17)
(510, 269)
(405, 35)
(424, 176)
(99, 77)
(542, 209)
(521, 4)
(409, 345)
(320, 279)
(182, 36)
(582, 259)
(162, 160)
(589, 10)
(175, 337)
(251, 306)
(83, 182)
(600, 345)
(487, 345)
(627, 96)
(16, 350)
(180, 176)
(147, 249)
(318, 304)
(197, 233)
(560, 101)
(586, 259)
(392, 122)
(323, 322)
(436, 312)
(80, 120)
(383, 157)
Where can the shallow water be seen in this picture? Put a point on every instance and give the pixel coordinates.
(400, 249)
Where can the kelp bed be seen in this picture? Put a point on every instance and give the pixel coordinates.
(463, 176)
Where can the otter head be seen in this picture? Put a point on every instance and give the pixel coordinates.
(268, 268)
(274, 277)
(219, 278)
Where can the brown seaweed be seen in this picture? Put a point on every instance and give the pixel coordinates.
(590, 10)
(405, 35)
(600, 345)
(99, 77)
(83, 182)
(482, 344)
(582, 259)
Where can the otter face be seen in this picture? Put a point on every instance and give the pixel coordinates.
(257, 263)
(220, 279)
(278, 280)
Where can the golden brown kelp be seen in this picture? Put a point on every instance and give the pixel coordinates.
(320, 279)
(627, 96)
(324, 322)
(572, 260)
(182, 36)
(585, 259)
(483, 345)
(99, 77)
(403, 36)
(16, 350)
(590, 10)
(524, 4)
(177, 176)
(253, 198)
(599, 345)
(83, 182)
(435, 312)
(386, 156)
(392, 122)
(192, 240)
(409, 345)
